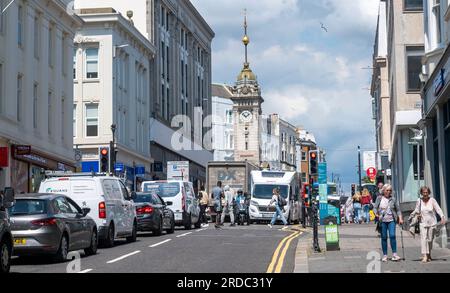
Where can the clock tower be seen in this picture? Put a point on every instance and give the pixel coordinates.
(247, 111)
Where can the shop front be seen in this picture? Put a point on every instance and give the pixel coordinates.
(28, 168)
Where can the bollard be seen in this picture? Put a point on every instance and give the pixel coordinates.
(315, 228)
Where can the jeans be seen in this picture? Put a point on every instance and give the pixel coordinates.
(275, 216)
(357, 211)
(366, 209)
(203, 218)
(385, 228)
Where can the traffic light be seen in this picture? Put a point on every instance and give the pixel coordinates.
(313, 162)
(104, 159)
(353, 189)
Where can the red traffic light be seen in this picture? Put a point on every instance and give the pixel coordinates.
(313, 155)
(104, 152)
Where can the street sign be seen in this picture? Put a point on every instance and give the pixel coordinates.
(372, 173)
(178, 171)
(322, 173)
(119, 167)
(140, 170)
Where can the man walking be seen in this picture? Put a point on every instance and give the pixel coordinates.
(217, 195)
(203, 205)
(228, 207)
(276, 199)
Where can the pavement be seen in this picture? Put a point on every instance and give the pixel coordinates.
(240, 249)
(360, 252)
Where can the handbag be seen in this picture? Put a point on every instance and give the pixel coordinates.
(419, 218)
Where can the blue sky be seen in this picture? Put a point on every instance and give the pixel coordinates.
(310, 77)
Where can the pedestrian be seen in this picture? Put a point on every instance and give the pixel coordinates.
(426, 210)
(349, 210)
(203, 205)
(378, 192)
(218, 195)
(366, 202)
(228, 206)
(389, 213)
(357, 208)
(277, 201)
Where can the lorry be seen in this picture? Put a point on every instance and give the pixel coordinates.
(237, 175)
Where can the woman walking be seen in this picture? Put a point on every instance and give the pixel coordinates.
(426, 210)
(366, 201)
(389, 214)
(276, 200)
(357, 208)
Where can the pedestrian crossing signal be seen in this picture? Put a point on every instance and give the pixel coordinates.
(104, 159)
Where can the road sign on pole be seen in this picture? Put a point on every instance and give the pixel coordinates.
(372, 173)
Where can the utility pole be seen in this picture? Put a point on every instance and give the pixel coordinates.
(359, 169)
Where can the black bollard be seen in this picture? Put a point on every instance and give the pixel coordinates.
(315, 228)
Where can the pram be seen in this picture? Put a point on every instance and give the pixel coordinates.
(241, 209)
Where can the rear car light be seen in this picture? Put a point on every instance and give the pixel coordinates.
(145, 210)
(102, 210)
(44, 222)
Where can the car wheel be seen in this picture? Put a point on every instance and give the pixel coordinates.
(172, 226)
(109, 241)
(159, 231)
(92, 249)
(63, 251)
(133, 236)
(188, 225)
(5, 257)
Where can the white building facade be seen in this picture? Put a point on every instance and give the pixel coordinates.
(222, 123)
(112, 87)
(36, 91)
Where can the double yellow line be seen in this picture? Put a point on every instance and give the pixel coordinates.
(277, 262)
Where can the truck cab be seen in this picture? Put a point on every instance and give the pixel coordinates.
(6, 239)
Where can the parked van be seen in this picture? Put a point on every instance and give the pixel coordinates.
(111, 205)
(6, 238)
(263, 183)
(185, 205)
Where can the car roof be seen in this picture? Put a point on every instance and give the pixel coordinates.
(42, 196)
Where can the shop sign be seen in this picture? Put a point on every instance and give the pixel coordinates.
(22, 150)
(4, 156)
(439, 83)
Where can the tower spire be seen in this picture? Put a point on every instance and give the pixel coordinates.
(246, 39)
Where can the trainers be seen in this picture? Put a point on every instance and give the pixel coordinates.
(270, 226)
(385, 258)
(396, 258)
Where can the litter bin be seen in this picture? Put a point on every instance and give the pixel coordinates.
(331, 233)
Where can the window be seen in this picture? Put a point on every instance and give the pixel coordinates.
(413, 5)
(20, 25)
(50, 45)
(168, 64)
(229, 115)
(303, 156)
(75, 63)
(414, 66)
(19, 97)
(437, 17)
(163, 16)
(418, 159)
(92, 63)
(50, 112)
(63, 54)
(35, 105)
(92, 120)
(74, 121)
(304, 180)
(229, 141)
(36, 36)
(63, 117)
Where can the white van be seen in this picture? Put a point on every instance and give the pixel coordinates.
(185, 204)
(110, 203)
(262, 185)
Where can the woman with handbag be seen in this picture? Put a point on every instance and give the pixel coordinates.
(426, 210)
(389, 213)
(357, 208)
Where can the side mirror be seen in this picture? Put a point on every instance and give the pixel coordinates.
(86, 211)
(133, 195)
(8, 198)
(169, 203)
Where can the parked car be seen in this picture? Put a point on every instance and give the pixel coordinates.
(51, 224)
(6, 238)
(153, 213)
(111, 205)
(185, 204)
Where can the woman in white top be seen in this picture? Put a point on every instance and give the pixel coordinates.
(427, 208)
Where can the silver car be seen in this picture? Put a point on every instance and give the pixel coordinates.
(51, 224)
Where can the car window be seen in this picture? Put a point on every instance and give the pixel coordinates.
(74, 206)
(157, 200)
(143, 198)
(63, 206)
(28, 207)
(125, 195)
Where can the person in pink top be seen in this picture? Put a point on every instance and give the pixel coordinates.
(427, 208)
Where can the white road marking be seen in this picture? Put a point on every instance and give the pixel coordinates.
(185, 234)
(352, 257)
(200, 230)
(85, 271)
(160, 243)
(123, 257)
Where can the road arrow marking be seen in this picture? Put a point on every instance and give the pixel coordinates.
(160, 243)
(123, 257)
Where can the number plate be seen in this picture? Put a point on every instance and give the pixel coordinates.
(20, 241)
(178, 217)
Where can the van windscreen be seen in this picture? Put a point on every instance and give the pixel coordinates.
(265, 191)
(169, 189)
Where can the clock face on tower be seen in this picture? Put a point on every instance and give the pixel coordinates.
(246, 116)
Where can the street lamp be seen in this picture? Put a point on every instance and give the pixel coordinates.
(113, 150)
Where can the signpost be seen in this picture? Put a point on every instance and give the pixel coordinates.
(323, 192)
(178, 171)
(372, 173)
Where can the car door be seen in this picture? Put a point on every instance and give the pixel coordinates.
(85, 233)
(128, 208)
(161, 206)
(69, 217)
